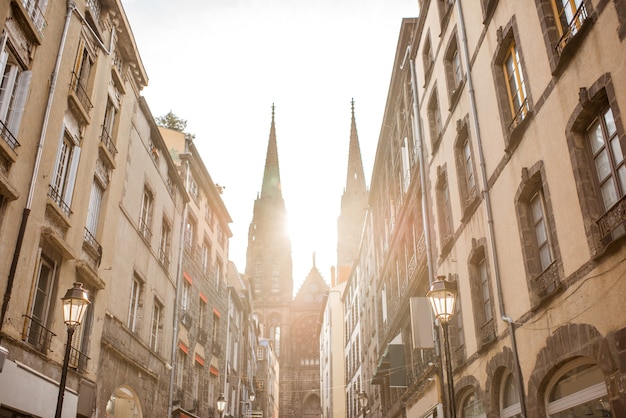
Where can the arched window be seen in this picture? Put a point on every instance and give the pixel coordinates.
(578, 389)
(509, 397)
(471, 406)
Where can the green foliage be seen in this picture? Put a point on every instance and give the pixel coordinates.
(171, 121)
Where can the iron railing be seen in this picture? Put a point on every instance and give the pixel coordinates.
(81, 93)
(55, 195)
(8, 137)
(572, 28)
(37, 334)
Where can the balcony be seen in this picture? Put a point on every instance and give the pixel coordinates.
(92, 247)
(613, 222)
(185, 319)
(573, 28)
(54, 194)
(547, 282)
(164, 258)
(8, 137)
(144, 231)
(37, 335)
(80, 98)
(109, 146)
(35, 15)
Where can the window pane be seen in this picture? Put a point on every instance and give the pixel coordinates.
(576, 380)
(510, 395)
(596, 138)
(609, 197)
(610, 122)
(603, 165)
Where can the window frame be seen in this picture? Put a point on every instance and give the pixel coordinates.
(134, 308)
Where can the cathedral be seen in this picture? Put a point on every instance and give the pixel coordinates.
(291, 322)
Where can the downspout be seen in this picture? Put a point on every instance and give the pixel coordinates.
(490, 221)
(33, 181)
(179, 277)
(417, 129)
(226, 357)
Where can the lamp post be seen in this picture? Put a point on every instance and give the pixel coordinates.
(75, 303)
(221, 404)
(364, 401)
(442, 297)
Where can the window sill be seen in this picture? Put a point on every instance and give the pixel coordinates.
(516, 132)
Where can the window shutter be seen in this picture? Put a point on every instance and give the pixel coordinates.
(71, 177)
(94, 208)
(15, 118)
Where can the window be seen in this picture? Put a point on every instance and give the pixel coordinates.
(260, 353)
(80, 79)
(471, 406)
(537, 211)
(164, 243)
(190, 233)
(64, 177)
(608, 158)
(427, 59)
(157, 324)
(108, 125)
(563, 23)
(13, 93)
(202, 308)
(454, 71)
(218, 273)
(514, 102)
(216, 328)
(145, 215)
(579, 389)
(193, 189)
(444, 211)
(434, 120)
(482, 299)
(181, 359)
(599, 167)
(509, 397)
(515, 86)
(466, 172)
(38, 333)
(537, 232)
(206, 256)
(95, 200)
(134, 309)
(208, 215)
(184, 300)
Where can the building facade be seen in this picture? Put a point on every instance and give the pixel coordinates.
(200, 349)
(498, 167)
(76, 134)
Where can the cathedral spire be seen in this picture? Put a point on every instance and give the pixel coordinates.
(355, 182)
(271, 177)
(353, 208)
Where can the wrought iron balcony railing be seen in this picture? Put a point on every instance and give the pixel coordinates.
(37, 335)
(8, 137)
(55, 195)
(81, 93)
(573, 27)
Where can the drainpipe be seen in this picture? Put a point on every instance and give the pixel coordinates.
(490, 221)
(179, 276)
(417, 131)
(33, 181)
(227, 355)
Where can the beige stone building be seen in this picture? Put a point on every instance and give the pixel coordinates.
(88, 194)
(500, 166)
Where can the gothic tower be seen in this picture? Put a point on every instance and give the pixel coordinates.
(268, 258)
(353, 208)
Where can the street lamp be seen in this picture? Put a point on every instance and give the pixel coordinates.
(75, 303)
(221, 404)
(442, 296)
(364, 400)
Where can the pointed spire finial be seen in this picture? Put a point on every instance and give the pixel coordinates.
(352, 102)
(313, 259)
(273, 107)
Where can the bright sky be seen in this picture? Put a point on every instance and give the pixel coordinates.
(220, 64)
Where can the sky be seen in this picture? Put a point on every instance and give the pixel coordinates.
(221, 64)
